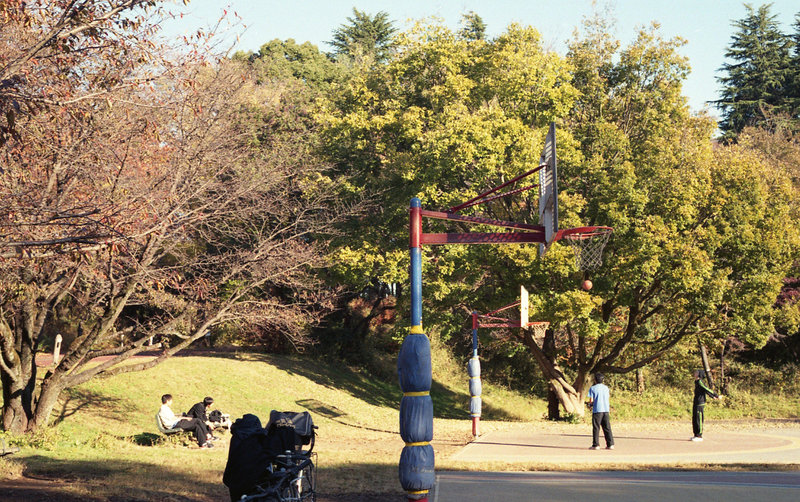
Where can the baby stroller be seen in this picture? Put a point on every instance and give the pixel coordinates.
(269, 463)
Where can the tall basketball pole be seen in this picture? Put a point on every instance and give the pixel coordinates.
(417, 465)
(414, 370)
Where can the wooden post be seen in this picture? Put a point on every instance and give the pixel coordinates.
(640, 380)
(57, 350)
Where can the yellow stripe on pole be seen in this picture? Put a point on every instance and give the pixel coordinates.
(421, 492)
(417, 330)
(415, 394)
(420, 443)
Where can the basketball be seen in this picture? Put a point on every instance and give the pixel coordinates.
(587, 285)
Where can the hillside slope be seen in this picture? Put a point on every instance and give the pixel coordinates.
(106, 440)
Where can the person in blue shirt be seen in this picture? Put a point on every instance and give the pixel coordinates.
(599, 400)
(699, 404)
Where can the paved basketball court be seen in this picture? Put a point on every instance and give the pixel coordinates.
(637, 445)
(666, 446)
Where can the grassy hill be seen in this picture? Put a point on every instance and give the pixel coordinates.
(105, 444)
(106, 441)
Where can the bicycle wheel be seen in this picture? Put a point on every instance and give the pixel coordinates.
(307, 484)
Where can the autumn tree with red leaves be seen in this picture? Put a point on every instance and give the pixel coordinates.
(140, 199)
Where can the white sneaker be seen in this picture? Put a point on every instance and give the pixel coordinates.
(610, 447)
(594, 447)
(696, 438)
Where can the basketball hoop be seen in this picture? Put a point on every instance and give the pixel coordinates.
(587, 243)
(538, 328)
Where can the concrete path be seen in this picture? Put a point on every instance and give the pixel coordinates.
(638, 445)
(533, 447)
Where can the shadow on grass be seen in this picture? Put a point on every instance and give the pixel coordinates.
(48, 479)
(182, 438)
(336, 415)
(372, 390)
(75, 399)
(132, 481)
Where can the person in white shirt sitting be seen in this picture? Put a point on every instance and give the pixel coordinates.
(170, 421)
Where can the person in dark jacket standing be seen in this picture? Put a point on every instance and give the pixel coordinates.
(699, 404)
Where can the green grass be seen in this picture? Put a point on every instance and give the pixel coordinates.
(106, 438)
(106, 443)
(754, 392)
(663, 404)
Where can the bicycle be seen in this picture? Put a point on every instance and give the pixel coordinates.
(291, 478)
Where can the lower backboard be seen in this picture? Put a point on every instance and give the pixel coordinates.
(523, 306)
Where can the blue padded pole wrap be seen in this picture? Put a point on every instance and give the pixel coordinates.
(416, 467)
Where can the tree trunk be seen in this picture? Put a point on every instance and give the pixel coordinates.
(48, 398)
(723, 384)
(16, 407)
(549, 350)
(706, 367)
(18, 385)
(570, 399)
(582, 384)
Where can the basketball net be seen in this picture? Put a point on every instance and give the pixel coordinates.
(538, 328)
(588, 247)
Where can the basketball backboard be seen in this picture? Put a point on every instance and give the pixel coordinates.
(548, 189)
(523, 306)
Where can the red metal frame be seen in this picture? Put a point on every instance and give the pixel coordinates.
(477, 199)
(482, 238)
(504, 323)
(533, 233)
(440, 215)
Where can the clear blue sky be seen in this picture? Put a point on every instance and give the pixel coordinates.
(706, 24)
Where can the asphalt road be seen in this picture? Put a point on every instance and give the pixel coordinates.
(617, 486)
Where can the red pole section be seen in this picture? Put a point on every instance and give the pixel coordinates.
(415, 224)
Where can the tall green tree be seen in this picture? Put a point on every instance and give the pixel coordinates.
(795, 77)
(686, 259)
(700, 244)
(758, 80)
(436, 122)
(304, 73)
(365, 37)
(472, 26)
(282, 60)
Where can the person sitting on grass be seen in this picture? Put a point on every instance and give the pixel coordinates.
(171, 421)
(200, 412)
